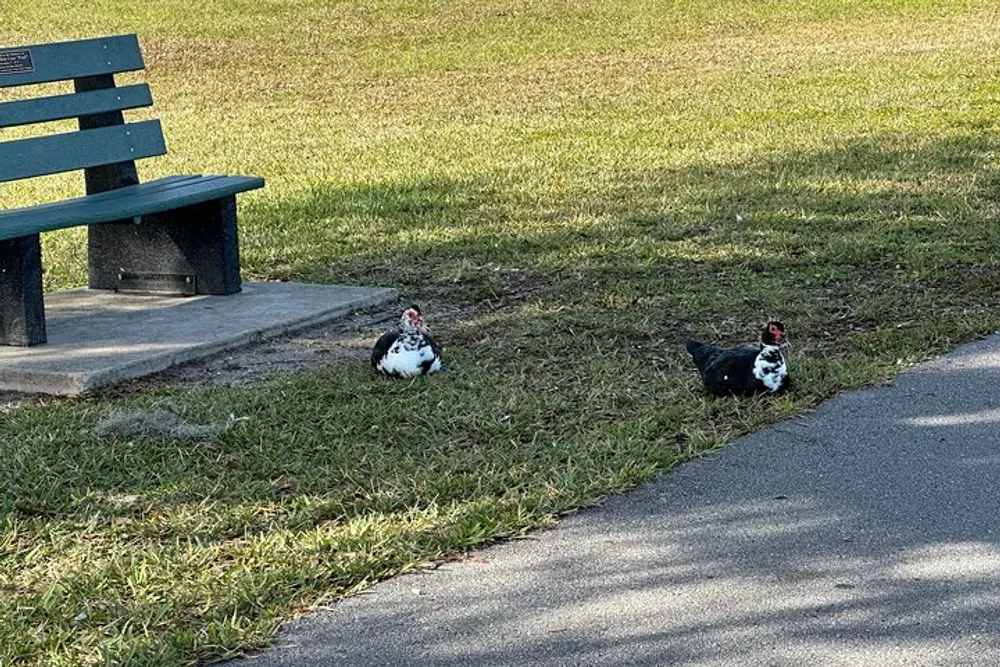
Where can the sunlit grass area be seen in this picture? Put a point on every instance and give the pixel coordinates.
(592, 181)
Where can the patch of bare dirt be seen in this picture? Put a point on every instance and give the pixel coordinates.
(348, 339)
(11, 399)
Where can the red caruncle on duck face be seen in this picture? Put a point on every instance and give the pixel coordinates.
(777, 331)
(414, 317)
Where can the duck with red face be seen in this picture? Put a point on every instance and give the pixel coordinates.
(409, 350)
(747, 370)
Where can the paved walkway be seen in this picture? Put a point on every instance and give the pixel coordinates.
(866, 533)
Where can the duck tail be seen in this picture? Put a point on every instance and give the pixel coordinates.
(703, 354)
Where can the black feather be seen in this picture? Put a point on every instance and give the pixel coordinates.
(382, 347)
(703, 353)
(731, 373)
(425, 366)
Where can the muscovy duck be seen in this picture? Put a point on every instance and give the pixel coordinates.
(409, 350)
(747, 370)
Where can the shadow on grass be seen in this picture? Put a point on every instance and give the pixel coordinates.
(840, 240)
(899, 184)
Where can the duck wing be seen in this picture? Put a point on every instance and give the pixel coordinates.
(730, 372)
(382, 347)
(433, 362)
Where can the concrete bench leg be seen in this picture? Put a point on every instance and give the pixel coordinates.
(198, 241)
(22, 307)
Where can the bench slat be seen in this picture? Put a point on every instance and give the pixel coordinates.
(93, 206)
(69, 151)
(60, 61)
(74, 105)
(135, 200)
(110, 195)
(156, 197)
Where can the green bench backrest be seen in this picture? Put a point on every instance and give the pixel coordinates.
(103, 139)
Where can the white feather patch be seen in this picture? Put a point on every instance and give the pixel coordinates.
(435, 367)
(771, 373)
(408, 362)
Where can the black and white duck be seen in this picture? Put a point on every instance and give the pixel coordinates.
(746, 370)
(408, 350)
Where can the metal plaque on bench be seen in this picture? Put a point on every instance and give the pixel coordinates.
(16, 62)
(137, 282)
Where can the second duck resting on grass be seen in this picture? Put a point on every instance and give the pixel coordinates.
(408, 350)
(747, 370)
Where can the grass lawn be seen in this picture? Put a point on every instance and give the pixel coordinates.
(595, 180)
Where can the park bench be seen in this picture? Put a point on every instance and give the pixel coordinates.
(172, 235)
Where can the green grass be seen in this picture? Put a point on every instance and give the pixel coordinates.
(599, 179)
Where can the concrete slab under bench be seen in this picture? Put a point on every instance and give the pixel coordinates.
(97, 338)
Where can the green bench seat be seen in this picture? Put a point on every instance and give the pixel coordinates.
(129, 202)
(173, 235)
